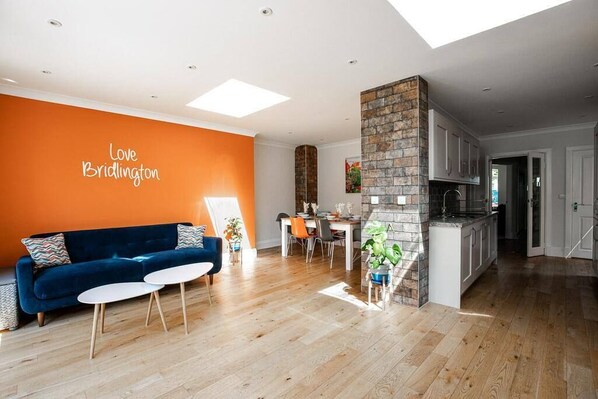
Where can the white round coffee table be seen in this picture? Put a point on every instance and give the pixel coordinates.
(100, 296)
(181, 275)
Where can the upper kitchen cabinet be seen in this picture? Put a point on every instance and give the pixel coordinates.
(454, 153)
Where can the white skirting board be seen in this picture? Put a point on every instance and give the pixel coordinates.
(555, 251)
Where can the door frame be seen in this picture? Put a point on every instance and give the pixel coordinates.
(569, 192)
(549, 250)
(531, 250)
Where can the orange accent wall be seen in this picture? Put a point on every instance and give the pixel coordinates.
(43, 188)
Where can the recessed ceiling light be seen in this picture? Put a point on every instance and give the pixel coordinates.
(429, 17)
(238, 99)
(347, 119)
(191, 67)
(500, 111)
(154, 96)
(266, 11)
(10, 80)
(290, 133)
(352, 62)
(596, 65)
(590, 96)
(486, 89)
(47, 72)
(55, 23)
(321, 140)
(510, 126)
(582, 116)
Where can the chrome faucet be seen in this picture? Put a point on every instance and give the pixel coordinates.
(444, 201)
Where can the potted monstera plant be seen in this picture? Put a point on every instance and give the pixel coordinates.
(382, 257)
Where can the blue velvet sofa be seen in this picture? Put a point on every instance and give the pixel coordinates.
(106, 256)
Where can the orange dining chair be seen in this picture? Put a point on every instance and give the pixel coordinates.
(299, 233)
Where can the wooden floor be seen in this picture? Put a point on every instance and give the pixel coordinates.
(283, 329)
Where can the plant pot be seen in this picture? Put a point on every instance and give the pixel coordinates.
(235, 246)
(381, 275)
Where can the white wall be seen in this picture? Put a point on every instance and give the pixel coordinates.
(331, 174)
(274, 189)
(557, 139)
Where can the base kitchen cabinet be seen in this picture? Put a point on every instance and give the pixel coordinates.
(461, 249)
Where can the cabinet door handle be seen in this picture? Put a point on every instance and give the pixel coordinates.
(450, 165)
(473, 239)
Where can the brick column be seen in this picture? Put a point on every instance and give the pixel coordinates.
(306, 175)
(394, 155)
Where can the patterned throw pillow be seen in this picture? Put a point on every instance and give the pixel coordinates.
(49, 251)
(190, 236)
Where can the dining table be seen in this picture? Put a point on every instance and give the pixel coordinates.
(348, 226)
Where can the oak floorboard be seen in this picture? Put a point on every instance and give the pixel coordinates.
(451, 374)
(525, 383)
(501, 376)
(473, 380)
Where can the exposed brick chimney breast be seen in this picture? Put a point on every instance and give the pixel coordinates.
(306, 175)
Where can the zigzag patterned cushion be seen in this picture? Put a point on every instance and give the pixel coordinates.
(190, 236)
(49, 251)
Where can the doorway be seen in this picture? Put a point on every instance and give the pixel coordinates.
(509, 198)
(518, 186)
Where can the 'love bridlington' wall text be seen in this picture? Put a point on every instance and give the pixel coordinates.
(117, 171)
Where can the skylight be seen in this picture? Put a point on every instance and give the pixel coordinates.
(440, 22)
(238, 99)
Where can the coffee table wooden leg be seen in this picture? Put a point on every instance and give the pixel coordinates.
(94, 328)
(209, 293)
(102, 317)
(157, 295)
(184, 307)
(149, 309)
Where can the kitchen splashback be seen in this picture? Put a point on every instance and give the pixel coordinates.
(437, 190)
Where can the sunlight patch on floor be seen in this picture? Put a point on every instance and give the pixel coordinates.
(475, 314)
(340, 291)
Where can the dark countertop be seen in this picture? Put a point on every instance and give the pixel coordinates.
(458, 221)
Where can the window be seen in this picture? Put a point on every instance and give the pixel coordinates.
(494, 188)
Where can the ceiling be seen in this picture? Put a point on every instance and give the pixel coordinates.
(538, 68)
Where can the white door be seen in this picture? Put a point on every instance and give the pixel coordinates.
(474, 160)
(476, 250)
(536, 180)
(453, 154)
(464, 155)
(581, 203)
(466, 258)
(441, 149)
(484, 245)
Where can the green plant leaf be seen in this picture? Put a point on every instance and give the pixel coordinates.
(378, 248)
(397, 249)
(367, 246)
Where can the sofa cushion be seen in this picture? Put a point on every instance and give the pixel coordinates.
(63, 281)
(190, 236)
(49, 251)
(161, 260)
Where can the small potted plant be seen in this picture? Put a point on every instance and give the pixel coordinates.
(233, 233)
(381, 258)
